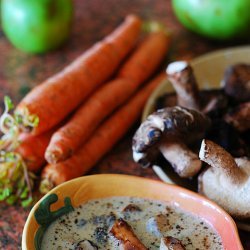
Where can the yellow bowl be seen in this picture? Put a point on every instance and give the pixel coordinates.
(90, 187)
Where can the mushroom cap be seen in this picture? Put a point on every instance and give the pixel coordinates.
(171, 124)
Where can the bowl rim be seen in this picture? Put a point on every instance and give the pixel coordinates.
(203, 201)
(218, 52)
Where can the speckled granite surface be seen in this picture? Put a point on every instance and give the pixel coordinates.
(93, 19)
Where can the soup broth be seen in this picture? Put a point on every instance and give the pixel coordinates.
(149, 219)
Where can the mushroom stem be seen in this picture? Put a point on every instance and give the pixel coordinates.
(221, 160)
(181, 76)
(182, 159)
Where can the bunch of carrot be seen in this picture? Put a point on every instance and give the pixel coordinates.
(82, 112)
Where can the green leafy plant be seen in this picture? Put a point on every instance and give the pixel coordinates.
(16, 182)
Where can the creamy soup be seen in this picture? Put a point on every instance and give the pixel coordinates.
(149, 219)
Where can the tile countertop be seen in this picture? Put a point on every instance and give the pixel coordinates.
(19, 72)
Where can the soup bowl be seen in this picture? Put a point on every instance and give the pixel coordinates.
(65, 197)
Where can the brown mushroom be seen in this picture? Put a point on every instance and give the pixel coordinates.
(236, 82)
(227, 181)
(181, 76)
(163, 130)
(239, 117)
(131, 208)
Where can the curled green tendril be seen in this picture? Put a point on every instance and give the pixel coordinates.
(16, 182)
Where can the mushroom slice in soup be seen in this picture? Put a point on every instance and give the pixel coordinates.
(123, 232)
(171, 243)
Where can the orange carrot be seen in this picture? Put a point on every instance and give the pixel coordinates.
(104, 138)
(32, 149)
(54, 99)
(147, 59)
(74, 133)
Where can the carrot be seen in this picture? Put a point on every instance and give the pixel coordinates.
(74, 133)
(112, 130)
(147, 58)
(52, 100)
(32, 149)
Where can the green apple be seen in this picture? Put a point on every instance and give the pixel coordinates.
(36, 26)
(218, 19)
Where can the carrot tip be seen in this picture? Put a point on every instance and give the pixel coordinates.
(52, 157)
(45, 186)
